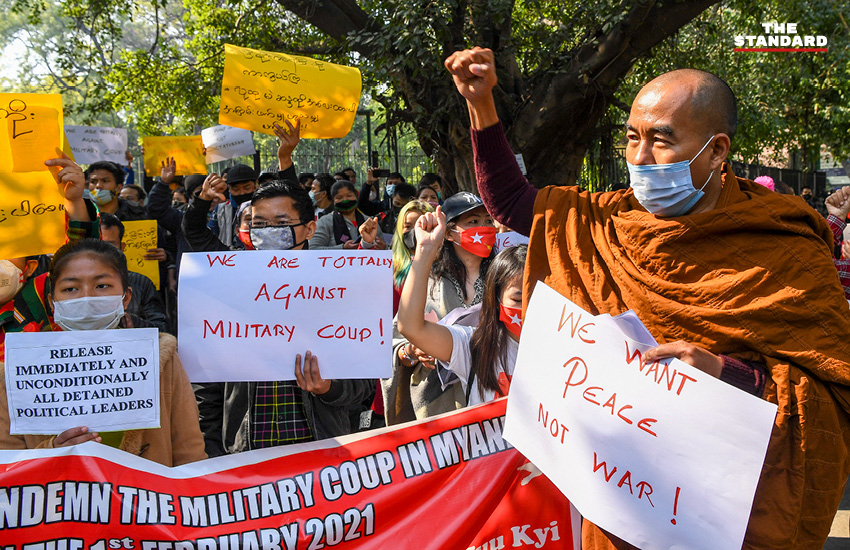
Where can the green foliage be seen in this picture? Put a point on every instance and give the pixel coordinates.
(786, 101)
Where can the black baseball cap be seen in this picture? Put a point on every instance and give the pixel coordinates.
(460, 203)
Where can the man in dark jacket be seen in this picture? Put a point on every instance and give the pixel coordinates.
(240, 416)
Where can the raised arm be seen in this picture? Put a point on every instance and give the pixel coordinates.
(505, 191)
(432, 338)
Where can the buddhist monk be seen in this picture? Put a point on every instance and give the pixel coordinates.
(729, 277)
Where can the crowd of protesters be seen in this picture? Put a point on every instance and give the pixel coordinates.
(458, 304)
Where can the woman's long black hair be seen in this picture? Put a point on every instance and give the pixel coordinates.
(489, 342)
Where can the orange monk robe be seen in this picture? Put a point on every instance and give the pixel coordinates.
(752, 279)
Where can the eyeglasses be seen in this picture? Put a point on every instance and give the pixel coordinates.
(262, 224)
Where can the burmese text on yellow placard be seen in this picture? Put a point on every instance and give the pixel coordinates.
(139, 236)
(261, 88)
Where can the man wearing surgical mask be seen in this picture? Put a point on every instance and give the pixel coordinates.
(736, 280)
(106, 181)
(23, 298)
(241, 416)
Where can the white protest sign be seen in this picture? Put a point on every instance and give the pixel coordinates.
(107, 380)
(91, 144)
(509, 239)
(245, 315)
(225, 142)
(662, 456)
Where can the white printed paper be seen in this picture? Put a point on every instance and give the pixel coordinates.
(245, 315)
(509, 239)
(661, 455)
(107, 380)
(225, 142)
(91, 144)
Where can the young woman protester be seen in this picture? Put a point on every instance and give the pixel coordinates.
(89, 291)
(339, 230)
(426, 193)
(456, 281)
(483, 358)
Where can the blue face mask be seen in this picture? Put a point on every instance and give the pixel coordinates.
(666, 189)
(103, 196)
(391, 189)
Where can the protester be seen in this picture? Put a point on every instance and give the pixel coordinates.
(486, 354)
(106, 180)
(351, 174)
(712, 265)
(89, 272)
(306, 180)
(240, 416)
(209, 191)
(435, 182)
(426, 193)
(320, 194)
(339, 230)
(133, 193)
(241, 183)
(179, 199)
(456, 281)
(838, 207)
(23, 296)
(145, 302)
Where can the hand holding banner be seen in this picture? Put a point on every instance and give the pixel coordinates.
(661, 455)
(187, 151)
(261, 88)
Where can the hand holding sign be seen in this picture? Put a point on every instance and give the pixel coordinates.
(75, 436)
(288, 141)
(693, 355)
(309, 378)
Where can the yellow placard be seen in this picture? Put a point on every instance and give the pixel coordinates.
(32, 210)
(32, 214)
(260, 88)
(31, 131)
(188, 153)
(139, 236)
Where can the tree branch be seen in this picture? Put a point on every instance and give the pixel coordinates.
(336, 18)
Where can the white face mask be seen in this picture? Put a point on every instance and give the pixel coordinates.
(11, 281)
(89, 313)
(667, 189)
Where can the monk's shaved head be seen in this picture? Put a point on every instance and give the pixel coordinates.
(712, 101)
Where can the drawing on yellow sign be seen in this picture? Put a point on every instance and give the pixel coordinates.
(188, 153)
(33, 130)
(261, 88)
(139, 237)
(32, 217)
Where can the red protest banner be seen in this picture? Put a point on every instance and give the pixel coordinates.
(447, 483)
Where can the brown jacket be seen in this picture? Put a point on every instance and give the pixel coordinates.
(178, 440)
(752, 279)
